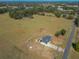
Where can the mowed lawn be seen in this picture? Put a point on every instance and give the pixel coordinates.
(17, 31)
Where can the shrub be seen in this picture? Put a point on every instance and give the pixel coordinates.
(70, 17)
(76, 46)
(18, 16)
(64, 15)
(58, 14)
(61, 32)
(50, 9)
(11, 13)
(3, 10)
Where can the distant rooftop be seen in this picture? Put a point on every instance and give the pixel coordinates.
(40, 0)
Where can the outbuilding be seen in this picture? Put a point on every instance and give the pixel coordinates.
(46, 39)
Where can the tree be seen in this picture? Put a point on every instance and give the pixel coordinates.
(16, 14)
(58, 14)
(76, 46)
(2, 4)
(3, 10)
(64, 15)
(77, 21)
(61, 32)
(28, 13)
(19, 13)
(11, 13)
(50, 9)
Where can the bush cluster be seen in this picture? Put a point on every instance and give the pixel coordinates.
(76, 46)
(61, 32)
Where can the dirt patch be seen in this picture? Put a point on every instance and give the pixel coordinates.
(58, 40)
(33, 46)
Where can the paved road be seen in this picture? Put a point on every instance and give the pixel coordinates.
(67, 49)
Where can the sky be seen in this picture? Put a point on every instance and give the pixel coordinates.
(39, 0)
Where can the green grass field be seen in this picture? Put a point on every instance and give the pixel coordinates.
(13, 33)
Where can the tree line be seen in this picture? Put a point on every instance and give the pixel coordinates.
(20, 12)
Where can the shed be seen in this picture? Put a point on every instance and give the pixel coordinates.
(46, 39)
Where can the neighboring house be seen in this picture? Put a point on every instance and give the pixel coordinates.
(72, 5)
(28, 7)
(60, 8)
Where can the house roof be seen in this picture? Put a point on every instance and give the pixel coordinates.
(46, 39)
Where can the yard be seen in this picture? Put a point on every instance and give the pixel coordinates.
(19, 34)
